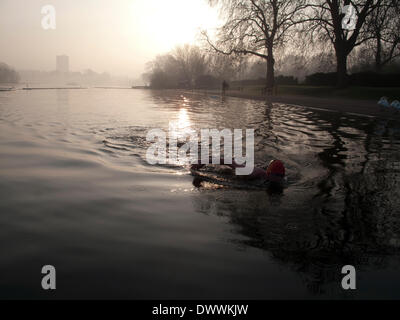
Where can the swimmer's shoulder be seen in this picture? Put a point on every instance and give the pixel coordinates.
(259, 173)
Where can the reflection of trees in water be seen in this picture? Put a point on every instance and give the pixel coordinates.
(367, 197)
(372, 194)
(350, 216)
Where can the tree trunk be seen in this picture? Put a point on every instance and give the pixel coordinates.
(378, 55)
(341, 58)
(270, 70)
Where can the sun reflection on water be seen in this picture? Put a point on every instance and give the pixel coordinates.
(183, 119)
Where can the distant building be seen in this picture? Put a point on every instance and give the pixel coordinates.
(62, 64)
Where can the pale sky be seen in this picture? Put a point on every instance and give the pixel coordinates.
(116, 36)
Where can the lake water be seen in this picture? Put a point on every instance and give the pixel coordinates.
(76, 192)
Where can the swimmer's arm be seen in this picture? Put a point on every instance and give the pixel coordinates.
(255, 174)
(232, 164)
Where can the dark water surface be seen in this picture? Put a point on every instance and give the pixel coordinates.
(77, 193)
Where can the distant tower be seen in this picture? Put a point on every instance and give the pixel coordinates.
(62, 63)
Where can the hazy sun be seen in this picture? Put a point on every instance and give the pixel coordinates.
(167, 23)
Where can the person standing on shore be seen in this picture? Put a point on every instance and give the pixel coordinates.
(225, 86)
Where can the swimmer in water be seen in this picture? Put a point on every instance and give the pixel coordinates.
(274, 173)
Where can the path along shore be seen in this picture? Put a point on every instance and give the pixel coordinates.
(362, 107)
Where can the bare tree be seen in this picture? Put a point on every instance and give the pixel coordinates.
(179, 68)
(384, 27)
(256, 27)
(222, 66)
(192, 62)
(326, 17)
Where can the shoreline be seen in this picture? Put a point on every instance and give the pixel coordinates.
(352, 106)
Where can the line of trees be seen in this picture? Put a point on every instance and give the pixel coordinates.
(261, 27)
(190, 67)
(271, 34)
(7, 74)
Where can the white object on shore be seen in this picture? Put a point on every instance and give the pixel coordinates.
(395, 104)
(383, 102)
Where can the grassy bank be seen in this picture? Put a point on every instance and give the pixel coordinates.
(359, 93)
